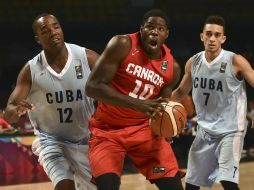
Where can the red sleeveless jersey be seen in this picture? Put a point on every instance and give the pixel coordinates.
(138, 77)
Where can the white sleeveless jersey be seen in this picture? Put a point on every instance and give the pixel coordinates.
(62, 108)
(219, 97)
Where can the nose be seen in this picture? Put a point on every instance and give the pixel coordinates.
(212, 38)
(155, 31)
(52, 30)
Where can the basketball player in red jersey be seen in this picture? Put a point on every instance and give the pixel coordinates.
(131, 78)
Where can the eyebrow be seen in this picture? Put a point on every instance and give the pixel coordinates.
(213, 32)
(153, 23)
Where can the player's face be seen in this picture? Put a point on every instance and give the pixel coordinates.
(49, 33)
(213, 37)
(154, 32)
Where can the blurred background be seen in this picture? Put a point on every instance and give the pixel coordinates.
(91, 23)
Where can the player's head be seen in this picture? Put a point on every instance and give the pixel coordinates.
(213, 34)
(48, 32)
(154, 31)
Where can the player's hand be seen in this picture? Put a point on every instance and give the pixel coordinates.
(159, 110)
(22, 107)
(151, 107)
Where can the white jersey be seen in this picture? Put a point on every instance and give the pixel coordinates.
(61, 109)
(219, 97)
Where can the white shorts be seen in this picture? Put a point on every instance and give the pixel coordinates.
(214, 159)
(64, 161)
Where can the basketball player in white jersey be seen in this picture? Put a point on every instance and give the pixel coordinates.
(217, 79)
(51, 89)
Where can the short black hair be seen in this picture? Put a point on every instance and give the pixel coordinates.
(215, 19)
(36, 19)
(156, 13)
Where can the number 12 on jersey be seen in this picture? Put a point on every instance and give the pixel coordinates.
(65, 115)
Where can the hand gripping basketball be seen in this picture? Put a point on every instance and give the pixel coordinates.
(171, 121)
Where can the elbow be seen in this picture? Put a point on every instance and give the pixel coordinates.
(91, 89)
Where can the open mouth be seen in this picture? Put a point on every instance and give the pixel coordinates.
(153, 43)
(56, 40)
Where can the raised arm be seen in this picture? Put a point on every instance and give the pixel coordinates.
(17, 104)
(185, 85)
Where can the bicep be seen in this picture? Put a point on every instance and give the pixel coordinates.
(23, 85)
(185, 85)
(109, 61)
(245, 68)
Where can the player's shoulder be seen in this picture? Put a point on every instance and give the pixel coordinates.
(37, 59)
(121, 39)
(74, 46)
(120, 44)
(234, 56)
(239, 61)
(237, 57)
(196, 58)
(198, 55)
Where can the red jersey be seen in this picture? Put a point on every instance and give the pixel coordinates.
(138, 77)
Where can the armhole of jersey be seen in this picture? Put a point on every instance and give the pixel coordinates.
(134, 41)
(85, 59)
(231, 69)
(170, 64)
(79, 52)
(131, 36)
(172, 69)
(30, 63)
(192, 65)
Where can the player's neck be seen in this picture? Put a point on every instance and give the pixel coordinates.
(56, 57)
(211, 55)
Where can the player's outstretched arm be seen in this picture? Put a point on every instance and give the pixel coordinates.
(17, 104)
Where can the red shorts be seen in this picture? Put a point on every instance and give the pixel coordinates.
(152, 155)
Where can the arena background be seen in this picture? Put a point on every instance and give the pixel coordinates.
(91, 23)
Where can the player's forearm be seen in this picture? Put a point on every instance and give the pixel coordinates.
(10, 114)
(177, 95)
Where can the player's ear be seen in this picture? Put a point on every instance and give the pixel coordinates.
(167, 33)
(37, 40)
(223, 39)
(141, 28)
(202, 36)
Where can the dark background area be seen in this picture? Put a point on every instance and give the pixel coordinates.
(91, 23)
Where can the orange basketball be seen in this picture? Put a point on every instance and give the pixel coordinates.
(171, 121)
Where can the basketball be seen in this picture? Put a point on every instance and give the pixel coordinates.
(171, 121)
